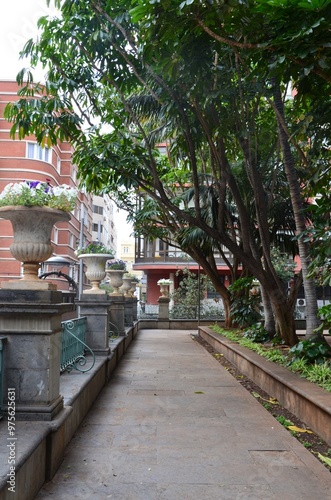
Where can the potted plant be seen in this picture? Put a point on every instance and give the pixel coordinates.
(126, 284)
(95, 256)
(129, 284)
(134, 282)
(115, 270)
(164, 286)
(33, 207)
(116, 265)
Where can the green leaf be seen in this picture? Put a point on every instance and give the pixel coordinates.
(324, 459)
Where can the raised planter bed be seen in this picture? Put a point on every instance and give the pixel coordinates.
(310, 403)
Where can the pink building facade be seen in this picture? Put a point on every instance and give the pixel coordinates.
(25, 160)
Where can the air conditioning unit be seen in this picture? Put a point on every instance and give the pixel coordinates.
(301, 302)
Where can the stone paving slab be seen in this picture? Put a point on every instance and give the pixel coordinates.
(173, 424)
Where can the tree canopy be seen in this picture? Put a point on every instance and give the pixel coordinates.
(211, 79)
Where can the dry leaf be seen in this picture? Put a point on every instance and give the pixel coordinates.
(273, 401)
(298, 429)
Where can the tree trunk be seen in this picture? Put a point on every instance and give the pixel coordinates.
(312, 321)
(227, 314)
(285, 325)
(269, 320)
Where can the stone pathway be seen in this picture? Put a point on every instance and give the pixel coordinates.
(173, 424)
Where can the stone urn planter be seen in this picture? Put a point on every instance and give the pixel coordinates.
(95, 269)
(133, 288)
(32, 228)
(125, 288)
(164, 289)
(164, 284)
(116, 279)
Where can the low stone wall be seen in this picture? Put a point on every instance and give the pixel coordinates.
(37, 448)
(176, 324)
(308, 402)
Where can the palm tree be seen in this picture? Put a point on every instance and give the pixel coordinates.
(312, 320)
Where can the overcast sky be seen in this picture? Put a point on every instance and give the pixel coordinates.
(18, 24)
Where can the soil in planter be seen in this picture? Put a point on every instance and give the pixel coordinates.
(312, 442)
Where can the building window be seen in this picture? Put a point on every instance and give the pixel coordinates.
(55, 235)
(36, 152)
(125, 249)
(73, 241)
(95, 228)
(97, 209)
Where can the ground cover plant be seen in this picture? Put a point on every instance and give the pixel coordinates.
(309, 359)
(311, 441)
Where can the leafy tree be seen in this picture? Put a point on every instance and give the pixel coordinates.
(245, 306)
(188, 295)
(158, 72)
(283, 267)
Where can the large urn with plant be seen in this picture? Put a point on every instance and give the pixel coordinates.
(125, 288)
(133, 287)
(115, 271)
(33, 208)
(95, 255)
(164, 284)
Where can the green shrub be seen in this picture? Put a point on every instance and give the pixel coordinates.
(182, 311)
(257, 333)
(318, 373)
(245, 306)
(314, 351)
(325, 314)
(298, 365)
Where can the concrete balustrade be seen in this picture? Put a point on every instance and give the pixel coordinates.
(96, 308)
(31, 321)
(117, 311)
(163, 321)
(53, 406)
(128, 311)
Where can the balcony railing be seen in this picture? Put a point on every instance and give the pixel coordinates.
(73, 346)
(2, 343)
(152, 254)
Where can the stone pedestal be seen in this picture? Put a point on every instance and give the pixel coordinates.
(164, 308)
(134, 309)
(31, 321)
(117, 312)
(96, 309)
(128, 313)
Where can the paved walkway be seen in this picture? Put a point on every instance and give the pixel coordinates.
(173, 424)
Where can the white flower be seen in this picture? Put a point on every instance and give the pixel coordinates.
(36, 193)
(164, 281)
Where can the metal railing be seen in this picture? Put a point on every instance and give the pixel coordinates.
(148, 311)
(2, 374)
(73, 346)
(113, 332)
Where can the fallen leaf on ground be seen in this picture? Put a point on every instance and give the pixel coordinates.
(270, 400)
(299, 429)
